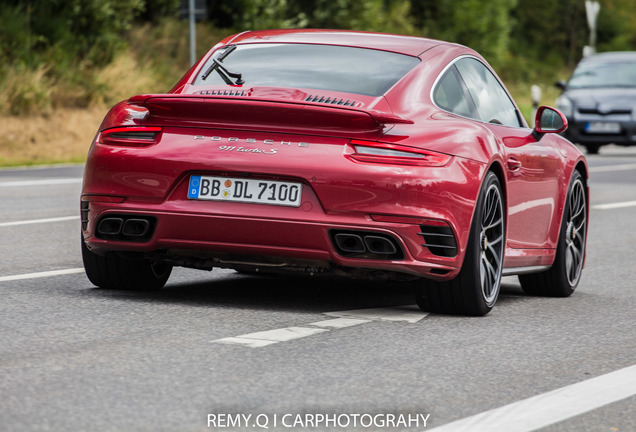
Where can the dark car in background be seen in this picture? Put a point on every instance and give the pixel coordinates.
(599, 101)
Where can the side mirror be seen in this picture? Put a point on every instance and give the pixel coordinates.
(548, 120)
(561, 85)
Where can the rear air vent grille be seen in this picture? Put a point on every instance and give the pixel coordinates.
(221, 92)
(439, 240)
(84, 210)
(330, 100)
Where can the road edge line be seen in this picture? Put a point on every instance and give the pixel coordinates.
(45, 274)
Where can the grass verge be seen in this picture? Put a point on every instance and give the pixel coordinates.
(62, 136)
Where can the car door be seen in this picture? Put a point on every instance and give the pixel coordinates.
(532, 167)
(533, 177)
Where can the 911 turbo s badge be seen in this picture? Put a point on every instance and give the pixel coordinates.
(240, 149)
(243, 149)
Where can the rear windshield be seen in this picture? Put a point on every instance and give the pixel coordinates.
(321, 67)
(618, 74)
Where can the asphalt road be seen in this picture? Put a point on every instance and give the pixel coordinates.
(224, 351)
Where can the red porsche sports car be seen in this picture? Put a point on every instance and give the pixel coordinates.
(337, 152)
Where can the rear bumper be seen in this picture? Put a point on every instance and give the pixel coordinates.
(193, 239)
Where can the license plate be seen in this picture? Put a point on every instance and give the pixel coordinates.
(245, 190)
(603, 127)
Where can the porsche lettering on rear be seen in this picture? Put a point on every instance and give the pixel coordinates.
(252, 141)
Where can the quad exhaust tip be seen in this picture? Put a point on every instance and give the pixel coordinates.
(366, 245)
(135, 228)
(379, 245)
(350, 243)
(130, 228)
(110, 226)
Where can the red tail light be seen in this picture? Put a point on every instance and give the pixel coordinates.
(137, 136)
(394, 154)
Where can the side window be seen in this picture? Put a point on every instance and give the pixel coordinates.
(491, 100)
(449, 94)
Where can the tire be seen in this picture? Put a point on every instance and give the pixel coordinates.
(563, 277)
(475, 289)
(112, 271)
(592, 148)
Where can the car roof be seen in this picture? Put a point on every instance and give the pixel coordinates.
(409, 45)
(611, 57)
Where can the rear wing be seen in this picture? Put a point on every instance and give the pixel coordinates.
(246, 113)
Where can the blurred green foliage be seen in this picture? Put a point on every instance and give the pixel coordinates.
(63, 44)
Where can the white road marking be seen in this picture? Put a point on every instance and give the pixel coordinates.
(612, 206)
(551, 407)
(606, 168)
(338, 323)
(410, 314)
(41, 274)
(44, 182)
(251, 343)
(38, 221)
(264, 338)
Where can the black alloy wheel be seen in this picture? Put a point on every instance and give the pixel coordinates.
(476, 289)
(563, 277)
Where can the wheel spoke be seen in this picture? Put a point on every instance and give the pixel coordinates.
(490, 210)
(577, 203)
(576, 195)
(573, 264)
(487, 210)
(494, 213)
(579, 228)
(576, 254)
(491, 279)
(578, 211)
(569, 258)
(494, 255)
(485, 274)
(496, 241)
(581, 241)
(493, 224)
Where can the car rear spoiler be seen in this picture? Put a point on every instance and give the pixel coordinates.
(263, 115)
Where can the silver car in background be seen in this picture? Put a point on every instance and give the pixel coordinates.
(599, 101)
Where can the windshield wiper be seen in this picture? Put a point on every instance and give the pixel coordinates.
(225, 74)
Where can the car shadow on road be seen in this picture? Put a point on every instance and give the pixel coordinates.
(286, 293)
(302, 294)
